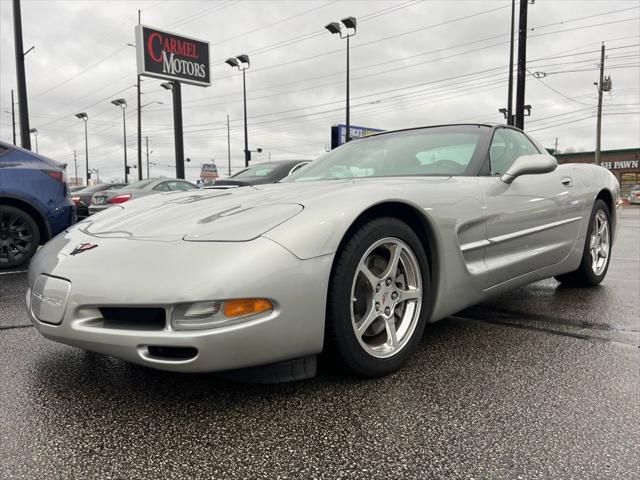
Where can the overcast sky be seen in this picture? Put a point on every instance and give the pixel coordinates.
(412, 63)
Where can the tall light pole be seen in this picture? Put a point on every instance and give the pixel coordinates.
(148, 153)
(13, 117)
(75, 163)
(35, 134)
(122, 103)
(25, 137)
(350, 24)
(177, 125)
(228, 145)
(241, 62)
(84, 117)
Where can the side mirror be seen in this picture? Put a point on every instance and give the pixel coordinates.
(529, 164)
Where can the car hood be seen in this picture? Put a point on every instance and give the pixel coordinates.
(240, 214)
(203, 215)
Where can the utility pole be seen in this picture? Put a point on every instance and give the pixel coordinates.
(228, 145)
(522, 64)
(75, 164)
(555, 150)
(25, 136)
(247, 153)
(124, 140)
(510, 88)
(139, 124)
(600, 90)
(13, 117)
(147, 142)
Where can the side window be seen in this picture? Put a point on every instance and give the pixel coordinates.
(506, 146)
(161, 187)
(297, 167)
(180, 186)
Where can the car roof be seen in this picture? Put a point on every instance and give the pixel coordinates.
(24, 151)
(487, 124)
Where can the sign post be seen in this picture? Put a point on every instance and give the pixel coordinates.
(178, 59)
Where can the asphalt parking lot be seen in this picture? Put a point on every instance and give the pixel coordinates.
(541, 382)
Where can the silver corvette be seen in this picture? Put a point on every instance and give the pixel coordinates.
(353, 254)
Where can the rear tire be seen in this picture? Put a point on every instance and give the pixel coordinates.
(597, 250)
(378, 300)
(19, 237)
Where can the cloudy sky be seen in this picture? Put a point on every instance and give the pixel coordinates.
(412, 63)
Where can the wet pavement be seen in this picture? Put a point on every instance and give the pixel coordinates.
(541, 382)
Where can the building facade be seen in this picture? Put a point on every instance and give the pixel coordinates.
(624, 164)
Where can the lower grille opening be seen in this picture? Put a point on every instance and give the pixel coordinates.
(135, 318)
(172, 353)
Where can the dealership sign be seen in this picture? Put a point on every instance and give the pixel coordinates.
(620, 164)
(339, 133)
(208, 172)
(172, 57)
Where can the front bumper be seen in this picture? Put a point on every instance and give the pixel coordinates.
(162, 274)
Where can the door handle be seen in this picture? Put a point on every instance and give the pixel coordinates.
(567, 181)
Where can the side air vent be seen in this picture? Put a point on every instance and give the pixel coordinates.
(133, 318)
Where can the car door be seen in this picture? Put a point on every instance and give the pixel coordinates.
(532, 222)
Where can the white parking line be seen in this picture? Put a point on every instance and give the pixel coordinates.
(15, 271)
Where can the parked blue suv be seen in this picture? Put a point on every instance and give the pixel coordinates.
(34, 203)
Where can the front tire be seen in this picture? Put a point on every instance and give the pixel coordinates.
(19, 237)
(597, 250)
(378, 299)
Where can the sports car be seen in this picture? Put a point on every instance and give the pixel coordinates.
(352, 255)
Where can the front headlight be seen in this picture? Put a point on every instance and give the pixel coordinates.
(218, 313)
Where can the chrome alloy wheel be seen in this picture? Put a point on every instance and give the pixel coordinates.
(599, 242)
(386, 297)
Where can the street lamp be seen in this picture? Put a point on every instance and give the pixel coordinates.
(241, 62)
(349, 31)
(152, 103)
(35, 133)
(84, 117)
(177, 125)
(122, 103)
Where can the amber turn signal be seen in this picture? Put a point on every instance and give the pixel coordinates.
(246, 306)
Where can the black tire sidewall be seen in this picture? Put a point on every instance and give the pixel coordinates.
(35, 233)
(339, 302)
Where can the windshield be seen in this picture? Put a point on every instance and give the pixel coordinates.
(255, 172)
(428, 151)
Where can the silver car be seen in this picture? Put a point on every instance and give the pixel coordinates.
(353, 254)
(143, 188)
(634, 195)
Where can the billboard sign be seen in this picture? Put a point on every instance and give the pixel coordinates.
(169, 56)
(208, 172)
(339, 133)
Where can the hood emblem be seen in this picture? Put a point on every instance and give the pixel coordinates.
(83, 247)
